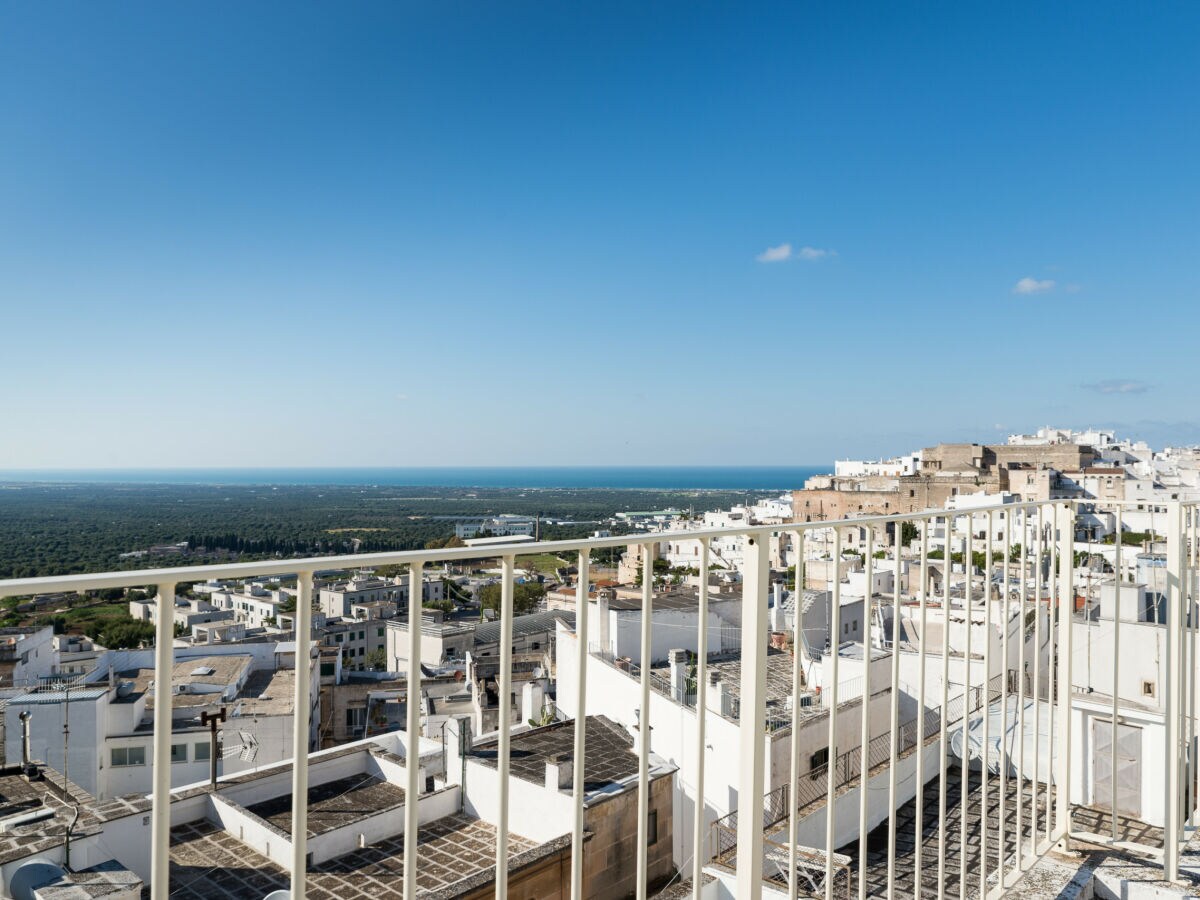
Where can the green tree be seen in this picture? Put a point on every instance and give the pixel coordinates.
(124, 635)
(377, 660)
(525, 597)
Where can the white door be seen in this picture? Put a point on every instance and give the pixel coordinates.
(1129, 767)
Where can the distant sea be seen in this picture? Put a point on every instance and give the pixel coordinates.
(734, 478)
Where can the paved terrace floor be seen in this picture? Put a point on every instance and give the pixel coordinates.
(207, 863)
(877, 869)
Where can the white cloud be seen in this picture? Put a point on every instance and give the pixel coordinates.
(1072, 288)
(784, 252)
(1033, 286)
(1117, 386)
(776, 254)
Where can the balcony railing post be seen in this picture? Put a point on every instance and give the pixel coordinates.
(752, 737)
(504, 721)
(830, 683)
(1064, 655)
(643, 829)
(412, 756)
(300, 731)
(700, 858)
(1174, 694)
(582, 611)
(160, 814)
(794, 774)
(864, 722)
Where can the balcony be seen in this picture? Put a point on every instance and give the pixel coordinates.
(963, 745)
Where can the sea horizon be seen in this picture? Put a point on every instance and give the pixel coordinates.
(756, 478)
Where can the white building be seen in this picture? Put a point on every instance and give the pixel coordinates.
(497, 526)
(897, 466)
(255, 603)
(109, 717)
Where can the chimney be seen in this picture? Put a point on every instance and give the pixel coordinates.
(678, 660)
(714, 698)
(26, 763)
(602, 597)
(560, 772)
(532, 700)
(777, 623)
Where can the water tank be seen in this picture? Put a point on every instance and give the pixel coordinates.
(32, 875)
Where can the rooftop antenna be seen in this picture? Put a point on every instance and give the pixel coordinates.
(212, 720)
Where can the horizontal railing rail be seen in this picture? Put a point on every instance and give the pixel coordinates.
(1033, 790)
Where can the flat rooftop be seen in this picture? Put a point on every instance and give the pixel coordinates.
(18, 796)
(608, 758)
(779, 679)
(220, 671)
(334, 804)
(454, 855)
(268, 693)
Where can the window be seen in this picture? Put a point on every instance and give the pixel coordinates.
(361, 650)
(327, 669)
(179, 753)
(652, 828)
(202, 752)
(128, 756)
(819, 760)
(378, 632)
(1147, 688)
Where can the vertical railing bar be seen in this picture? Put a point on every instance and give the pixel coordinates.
(301, 706)
(987, 706)
(831, 682)
(1002, 759)
(751, 719)
(160, 811)
(1194, 619)
(794, 777)
(864, 756)
(1189, 715)
(1189, 669)
(1053, 609)
(1021, 713)
(895, 715)
(504, 718)
(1065, 655)
(965, 766)
(1116, 713)
(412, 760)
(1182, 626)
(578, 784)
(1035, 810)
(922, 650)
(643, 797)
(944, 750)
(1171, 663)
(698, 832)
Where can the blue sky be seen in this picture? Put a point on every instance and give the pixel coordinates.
(410, 234)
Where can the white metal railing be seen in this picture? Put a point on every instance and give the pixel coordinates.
(1034, 796)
